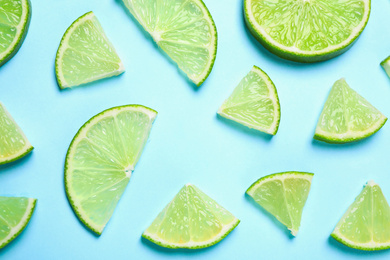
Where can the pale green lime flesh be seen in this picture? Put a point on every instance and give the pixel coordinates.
(283, 195)
(100, 161)
(347, 116)
(254, 103)
(366, 224)
(184, 29)
(386, 65)
(15, 213)
(191, 220)
(85, 54)
(13, 143)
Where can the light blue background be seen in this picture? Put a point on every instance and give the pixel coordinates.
(188, 142)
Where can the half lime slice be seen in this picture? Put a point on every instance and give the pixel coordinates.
(386, 65)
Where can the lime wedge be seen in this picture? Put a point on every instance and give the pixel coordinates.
(15, 16)
(184, 29)
(13, 143)
(191, 220)
(85, 54)
(366, 224)
(347, 116)
(386, 65)
(307, 30)
(100, 161)
(15, 213)
(254, 103)
(283, 195)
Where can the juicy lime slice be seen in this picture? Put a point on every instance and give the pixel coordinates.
(347, 116)
(15, 213)
(254, 103)
(100, 161)
(85, 54)
(386, 65)
(366, 224)
(283, 195)
(191, 220)
(15, 16)
(184, 29)
(13, 143)
(307, 30)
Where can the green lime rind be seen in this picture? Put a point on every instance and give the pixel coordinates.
(350, 244)
(386, 65)
(19, 156)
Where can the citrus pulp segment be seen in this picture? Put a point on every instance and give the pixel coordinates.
(184, 29)
(100, 161)
(386, 65)
(191, 220)
(283, 195)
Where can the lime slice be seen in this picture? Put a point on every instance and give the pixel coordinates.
(386, 65)
(347, 116)
(15, 16)
(184, 29)
(191, 220)
(366, 224)
(13, 143)
(15, 213)
(85, 54)
(100, 161)
(307, 30)
(283, 195)
(254, 103)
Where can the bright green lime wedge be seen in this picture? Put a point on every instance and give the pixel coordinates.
(85, 54)
(307, 30)
(100, 161)
(15, 16)
(15, 213)
(13, 143)
(366, 224)
(254, 103)
(283, 195)
(386, 65)
(191, 220)
(184, 29)
(347, 116)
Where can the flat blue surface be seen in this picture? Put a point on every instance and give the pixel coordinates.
(188, 142)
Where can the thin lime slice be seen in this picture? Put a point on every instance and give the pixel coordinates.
(254, 103)
(15, 213)
(85, 54)
(15, 16)
(347, 116)
(100, 161)
(13, 143)
(366, 224)
(184, 29)
(283, 195)
(386, 65)
(191, 220)
(307, 30)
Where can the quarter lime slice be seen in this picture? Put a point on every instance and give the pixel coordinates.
(13, 143)
(307, 30)
(254, 103)
(15, 16)
(191, 220)
(100, 161)
(283, 195)
(366, 224)
(184, 29)
(347, 116)
(85, 54)
(386, 65)
(15, 213)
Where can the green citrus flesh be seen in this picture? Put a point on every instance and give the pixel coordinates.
(184, 29)
(307, 30)
(85, 54)
(15, 16)
(100, 161)
(283, 195)
(15, 213)
(13, 143)
(366, 224)
(191, 220)
(386, 65)
(347, 116)
(254, 103)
